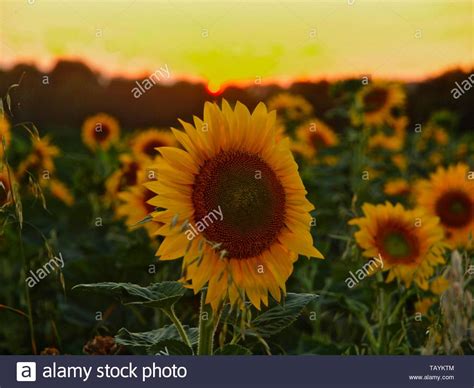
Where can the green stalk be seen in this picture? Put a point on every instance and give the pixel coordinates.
(207, 326)
(24, 264)
(382, 315)
(179, 326)
(27, 294)
(368, 331)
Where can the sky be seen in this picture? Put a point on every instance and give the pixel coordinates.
(234, 41)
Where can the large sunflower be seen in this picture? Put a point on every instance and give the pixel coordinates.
(100, 131)
(290, 106)
(449, 194)
(233, 205)
(5, 135)
(409, 241)
(144, 144)
(375, 102)
(314, 135)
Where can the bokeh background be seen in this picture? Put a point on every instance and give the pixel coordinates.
(63, 61)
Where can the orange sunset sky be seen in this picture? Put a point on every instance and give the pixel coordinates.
(241, 41)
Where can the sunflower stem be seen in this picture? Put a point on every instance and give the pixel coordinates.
(382, 315)
(23, 257)
(207, 326)
(179, 326)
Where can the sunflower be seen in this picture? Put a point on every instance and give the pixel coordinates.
(290, 106)
(400, 161)
(397, 186)
(392, 136)
(439, 285)
(409, 241)
(127, 175)
(134, 207)
(280, 130)
(61, 192)
(423, 305)
(41, 158)
(313, 136)
(144, 144)
(100, 131)
(5, 136)
(233, 206)
(375, 102)
(433, 135)
(449, 194)
(5, 189)
(461, 151)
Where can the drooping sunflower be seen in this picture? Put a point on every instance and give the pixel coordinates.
(374, 103)
(314, 135)
(100, 131)
(410, 242)
(234, 206)
(144, 144)
(5, 136)
(397, 186)
(41, 158)
(5, 189)
(290, 106)
(449, 195)
(134, 207)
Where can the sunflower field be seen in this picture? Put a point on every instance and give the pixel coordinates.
(262, 230)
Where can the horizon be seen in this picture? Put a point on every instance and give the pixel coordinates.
(211, 46)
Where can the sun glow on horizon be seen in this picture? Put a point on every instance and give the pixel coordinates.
(240, 42)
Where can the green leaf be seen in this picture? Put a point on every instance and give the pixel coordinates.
(146, 340)
(158, 295)
(233, 350)
(281, 316)
(170, 347)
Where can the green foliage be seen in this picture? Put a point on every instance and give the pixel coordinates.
(155, 341)
(232, 350)
(158, 295)
(280, 316)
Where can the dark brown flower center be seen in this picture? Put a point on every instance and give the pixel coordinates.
(129, 175)
(149, 147)
(455, 209)
(317, 140)
(101, 132)
(397, 244)
(247, 192)
(147, 195)
(375, 99)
